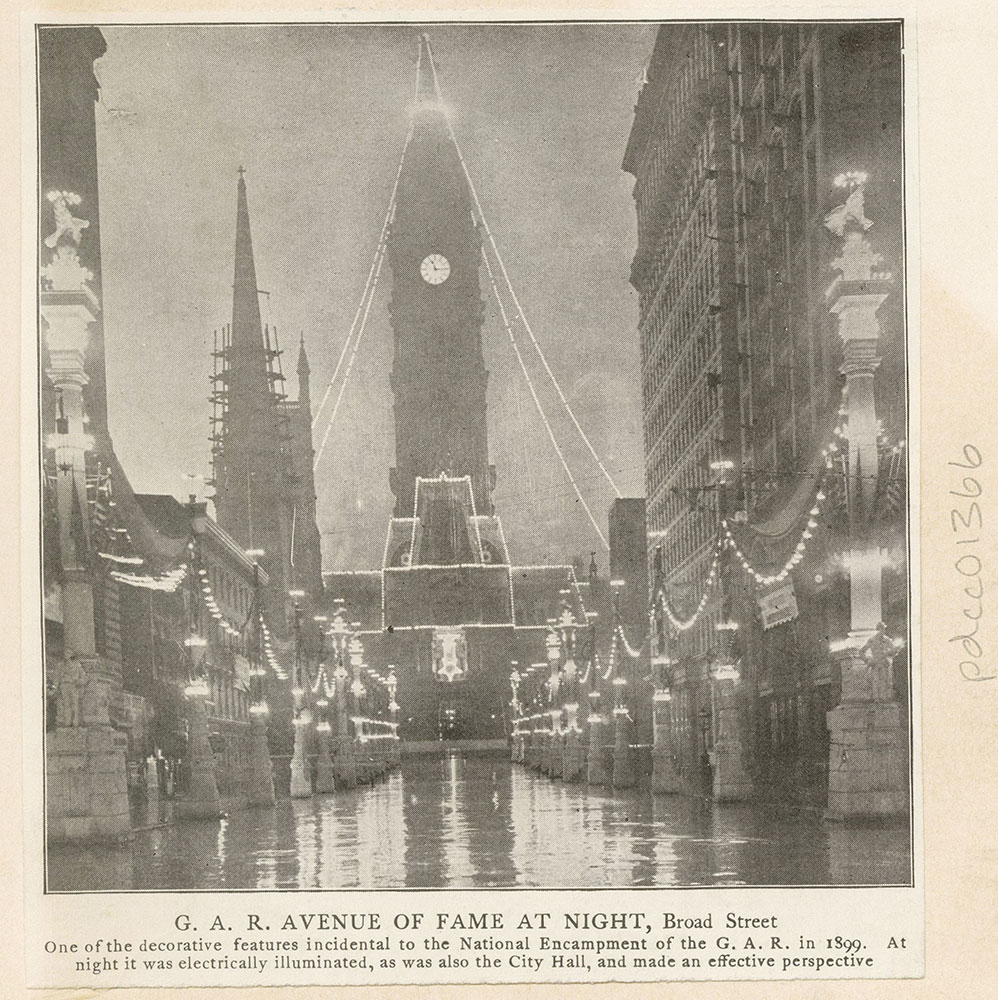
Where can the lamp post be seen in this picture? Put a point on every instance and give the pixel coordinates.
(596, 769)
(553, 750)
(730, 780)
(395, 754)
(357, 694)
(201, 799)
(573, 755)
(623, 763)
(516, 740)
(867, 746)
(261, 791)
(301, 783)
(664, 777)
(325, 778)
(343, 761)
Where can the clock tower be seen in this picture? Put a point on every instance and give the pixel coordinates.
(438, 376)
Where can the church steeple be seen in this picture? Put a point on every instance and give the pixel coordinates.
(247, 329)
(438, 375)
(303, 377)
(251, 491)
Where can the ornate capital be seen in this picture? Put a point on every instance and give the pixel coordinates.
(64, 272)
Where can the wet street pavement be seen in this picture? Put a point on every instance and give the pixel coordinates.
(480, 822)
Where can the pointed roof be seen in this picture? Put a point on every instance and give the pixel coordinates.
(303, 368)
(247, 329)
(426, 93)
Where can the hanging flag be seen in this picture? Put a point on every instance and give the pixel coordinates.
(777, 603)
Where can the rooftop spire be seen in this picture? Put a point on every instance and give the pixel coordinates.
(303, 367)
(247, 330)
(426, 92)
(303, 373)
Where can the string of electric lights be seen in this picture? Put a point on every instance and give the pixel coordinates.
(537, 403)
(370, 285)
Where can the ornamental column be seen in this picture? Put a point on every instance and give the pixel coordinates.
(596, 770)
(664, 776)
(866, 768)
(261, 788)
(731, 781)
(301, 779)
(87, 797)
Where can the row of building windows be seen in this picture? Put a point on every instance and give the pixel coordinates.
(698, 67)
(703, 355)
(689, 228)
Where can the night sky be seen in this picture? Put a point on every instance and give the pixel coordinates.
(318, 116)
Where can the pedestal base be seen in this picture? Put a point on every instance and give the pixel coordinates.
(623, 758)
(344, 766)
(201, 800)
(596, 768)
(261, 783)
(86, 798)
(152, 792)
(866, 767)
(325, 776)
(556, 755)
(664, 776)
(731, 782)
(573, 758)
(301, 784)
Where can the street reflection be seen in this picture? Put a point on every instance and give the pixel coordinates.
(467, 822)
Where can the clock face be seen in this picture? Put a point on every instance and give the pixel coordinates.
(435, 269)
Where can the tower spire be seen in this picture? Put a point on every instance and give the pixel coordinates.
(303, 378)
(426, 92)
(250, 493)
(247, 329)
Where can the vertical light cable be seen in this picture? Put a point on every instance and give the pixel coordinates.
(537, 402)
(370, 276)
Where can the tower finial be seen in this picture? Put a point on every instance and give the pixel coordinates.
(241, 171)
(426, 92)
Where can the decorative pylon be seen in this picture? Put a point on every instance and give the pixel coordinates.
(87, 796)
(866, 777)
(623, 758)
(201, 800)
(596, 765)
(664, 776)
(325, 778)
(301, 782)
(261, 767)
(261, 792)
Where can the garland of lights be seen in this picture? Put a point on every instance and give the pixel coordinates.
(208, 597)
(167, 582)
(763, 579)
(683, 624)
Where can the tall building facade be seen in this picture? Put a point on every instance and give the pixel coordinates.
(738, 138)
